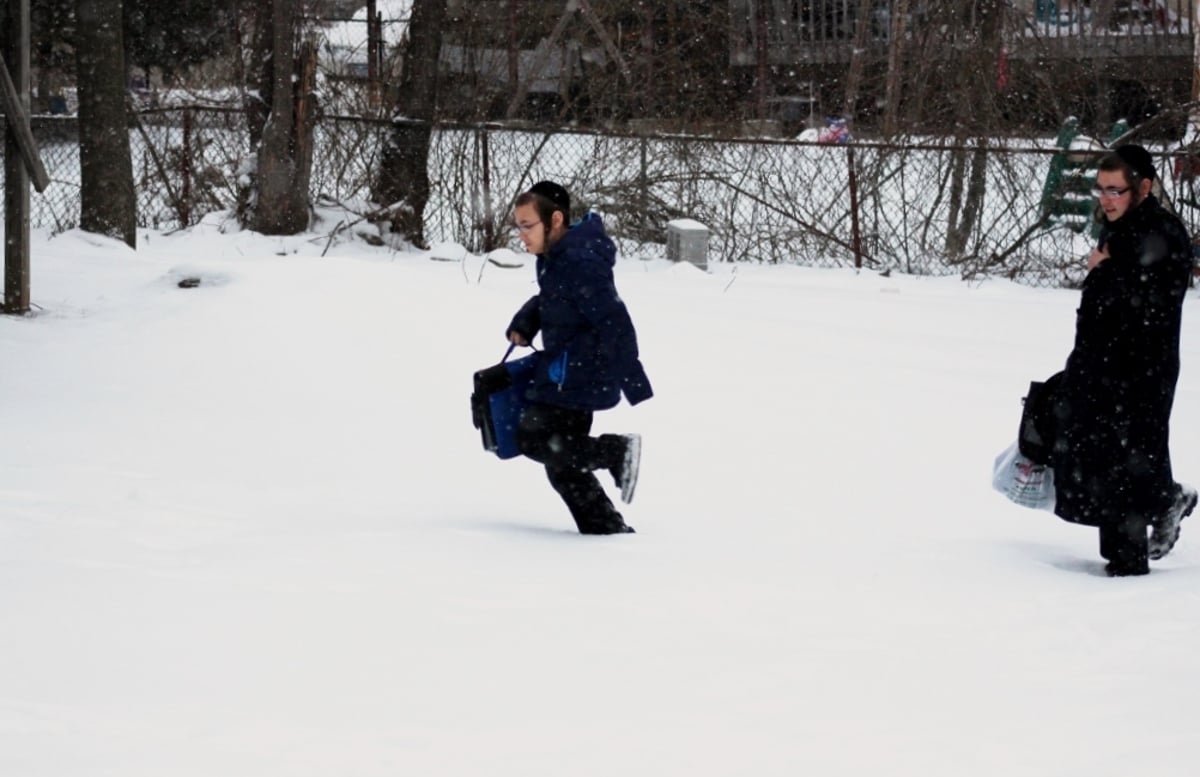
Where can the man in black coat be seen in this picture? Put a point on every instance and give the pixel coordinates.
(1112, 408)
(589, 359)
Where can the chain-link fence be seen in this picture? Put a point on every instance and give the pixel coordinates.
(918, 208)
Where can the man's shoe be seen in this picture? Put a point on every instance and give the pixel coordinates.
(614, 528)
(1114, 569)
(1165, 532)
(626, 472)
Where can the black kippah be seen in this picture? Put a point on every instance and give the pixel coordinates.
(1138, 160)
(555, 193)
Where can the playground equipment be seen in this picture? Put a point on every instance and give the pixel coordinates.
(21, 159)
(1067, 199)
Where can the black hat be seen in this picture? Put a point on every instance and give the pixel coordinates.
(555, 193)
(1138, 160)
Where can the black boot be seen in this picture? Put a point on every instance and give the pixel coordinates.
(1126, 547)
(1165, 528)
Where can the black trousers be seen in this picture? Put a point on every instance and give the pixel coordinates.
(1124, 543)
(559, 438)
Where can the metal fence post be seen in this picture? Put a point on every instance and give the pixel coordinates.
(856, 234)
(643, 181)
(489, 221)
(185, 170)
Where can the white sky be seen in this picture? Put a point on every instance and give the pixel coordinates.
(247, 530)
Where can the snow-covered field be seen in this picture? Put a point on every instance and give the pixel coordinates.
(247, 530)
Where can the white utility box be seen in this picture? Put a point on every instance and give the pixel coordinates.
(687, 241)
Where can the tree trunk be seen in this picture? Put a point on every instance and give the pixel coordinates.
(649, 83)
(891, 100)
(279, 203)
(977, 80)
(674, 74)
(857, 58)
(514, 45)
(761, 55)
(257, 97)
(108, 202)
(958, 175)
(976, 191)
(404, 175)
(42, 54)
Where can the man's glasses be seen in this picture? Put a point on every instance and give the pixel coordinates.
(527, 227)
(1111, 192)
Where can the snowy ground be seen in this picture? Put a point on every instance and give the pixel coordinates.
(247, 530)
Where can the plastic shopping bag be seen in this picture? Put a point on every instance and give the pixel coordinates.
(1024, 482)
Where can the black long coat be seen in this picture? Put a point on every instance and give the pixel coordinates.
(1113, 407)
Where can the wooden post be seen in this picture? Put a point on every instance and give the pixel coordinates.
(17, 106)
(16, 174)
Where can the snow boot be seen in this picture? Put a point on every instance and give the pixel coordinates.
(625, 473)
(1165, 532)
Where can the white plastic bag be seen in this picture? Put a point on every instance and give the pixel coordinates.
(1022, 481)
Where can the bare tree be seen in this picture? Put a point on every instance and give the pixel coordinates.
(403, 183)
(895, 67)
(281, 121)
(858, 57)
(108, 201)
(977, 74)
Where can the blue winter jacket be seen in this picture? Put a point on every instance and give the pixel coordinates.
(590, 351)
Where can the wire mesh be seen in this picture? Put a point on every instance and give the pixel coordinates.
(973, 209)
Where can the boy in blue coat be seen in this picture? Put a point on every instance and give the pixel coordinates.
(589, 358)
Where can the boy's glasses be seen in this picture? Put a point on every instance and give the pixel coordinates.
(1111, 192)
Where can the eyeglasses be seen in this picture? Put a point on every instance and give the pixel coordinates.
(1111, 192)
(526, 228)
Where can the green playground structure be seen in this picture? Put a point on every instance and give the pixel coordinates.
(1067, 199)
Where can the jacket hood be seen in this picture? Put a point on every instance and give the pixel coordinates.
(586, 236)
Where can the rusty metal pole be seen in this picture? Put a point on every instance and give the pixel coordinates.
(489, 217)
(856, 233)
(185, 172)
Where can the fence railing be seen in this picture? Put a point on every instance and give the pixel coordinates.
(826, 30)
(922, 208)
